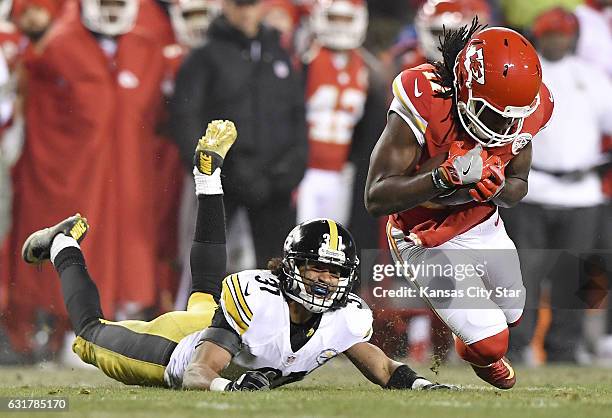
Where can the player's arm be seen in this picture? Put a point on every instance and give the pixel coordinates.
(392, 185)
(385, 372)
(222, 341)
(372, 363)
(516, 174)
(219, 344)
(208, 361)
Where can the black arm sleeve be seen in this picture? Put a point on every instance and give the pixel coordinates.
(222, 334)
(402, 378)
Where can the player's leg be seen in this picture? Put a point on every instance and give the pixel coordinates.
(503, 274)
(208, 253)
(308, 199)
(325, 194)
(136, 352)
(477, 322)
(132, 352)
(208, 265)
(127, 356)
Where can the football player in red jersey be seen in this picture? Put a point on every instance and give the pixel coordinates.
(456, 146)
(336, 92)
(430, 21)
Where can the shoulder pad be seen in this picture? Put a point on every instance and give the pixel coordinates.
(358, 318)
(355, 300)
(244, 294)
(413, 92)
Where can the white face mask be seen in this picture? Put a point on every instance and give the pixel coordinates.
(348, 32)
(319, 297)
(110, 18)
(191, 19)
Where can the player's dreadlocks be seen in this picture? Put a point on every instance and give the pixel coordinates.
(451, 44)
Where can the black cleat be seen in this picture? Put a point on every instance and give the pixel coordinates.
(37, 248)
(214, 145)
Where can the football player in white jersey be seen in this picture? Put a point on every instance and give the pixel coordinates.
(278, 324)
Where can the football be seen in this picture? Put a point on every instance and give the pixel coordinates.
(459, 196)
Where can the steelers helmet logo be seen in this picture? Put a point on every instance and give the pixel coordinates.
(332, 247)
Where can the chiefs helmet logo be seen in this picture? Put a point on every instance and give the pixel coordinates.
(474, 64)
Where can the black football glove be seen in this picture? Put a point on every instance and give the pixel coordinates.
(251, 380)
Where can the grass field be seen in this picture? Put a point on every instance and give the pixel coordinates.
(333, 391)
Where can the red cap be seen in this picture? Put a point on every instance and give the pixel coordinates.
(557, 20)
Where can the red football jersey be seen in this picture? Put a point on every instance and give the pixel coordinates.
(429, 118)
(336, 91)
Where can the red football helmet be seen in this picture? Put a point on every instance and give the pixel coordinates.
(450, 14)
(339, 24)
(497, 81)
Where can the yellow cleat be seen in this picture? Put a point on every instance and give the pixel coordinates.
(213, 146)
(37, 248)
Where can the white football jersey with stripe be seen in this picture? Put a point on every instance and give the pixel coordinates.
(256, 309)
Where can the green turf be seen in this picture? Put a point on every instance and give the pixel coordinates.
(335, 390)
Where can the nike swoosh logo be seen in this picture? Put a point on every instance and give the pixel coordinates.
(417, 93)
(246, 290)
(467, 170)
(509, 367)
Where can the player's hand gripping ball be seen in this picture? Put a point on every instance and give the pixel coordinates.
(492, 182)
(464, 165)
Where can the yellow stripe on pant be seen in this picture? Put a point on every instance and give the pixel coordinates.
(137, 352)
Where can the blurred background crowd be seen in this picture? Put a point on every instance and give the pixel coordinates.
(102, 102)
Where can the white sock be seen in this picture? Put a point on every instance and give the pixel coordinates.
(207, 184)
(419, 383)
(60, 242)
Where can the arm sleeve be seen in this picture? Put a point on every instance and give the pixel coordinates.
(221, 333)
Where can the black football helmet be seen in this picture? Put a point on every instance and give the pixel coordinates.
(319, 244)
